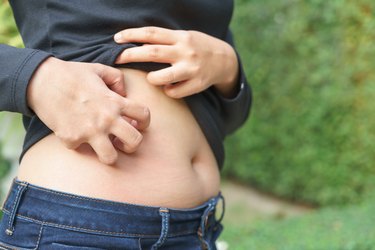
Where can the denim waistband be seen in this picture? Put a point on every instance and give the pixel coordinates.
(98, 216)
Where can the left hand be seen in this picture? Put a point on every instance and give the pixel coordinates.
(197, 60)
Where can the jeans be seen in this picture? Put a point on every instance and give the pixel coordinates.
(40, 218)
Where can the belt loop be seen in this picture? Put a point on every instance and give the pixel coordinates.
(204, 219)
(21, 188)
(164, 212)
(221, 197)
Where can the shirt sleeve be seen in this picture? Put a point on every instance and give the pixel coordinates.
(234, 111)
(16, 69)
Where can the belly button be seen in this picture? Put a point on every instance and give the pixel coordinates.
(194, 161)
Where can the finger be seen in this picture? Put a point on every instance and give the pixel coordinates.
(127, 138)
(148, 53)
(148, 34)
(112, 77)
(134, 123)
(134, 111)
(183, 89)
(175, 73)
(122, 146)
(104, 148)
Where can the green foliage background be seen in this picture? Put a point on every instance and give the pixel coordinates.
(8, 31)
(8, 35)
(348, 228)
(311, 135)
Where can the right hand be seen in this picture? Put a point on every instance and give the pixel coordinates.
(86, 103)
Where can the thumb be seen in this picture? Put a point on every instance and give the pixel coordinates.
(112, 77)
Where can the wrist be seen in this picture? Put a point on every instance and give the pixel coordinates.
(228, 86)
(40, 76)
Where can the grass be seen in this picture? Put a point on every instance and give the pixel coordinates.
(344, 228)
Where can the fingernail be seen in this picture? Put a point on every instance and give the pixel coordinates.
(118, 37)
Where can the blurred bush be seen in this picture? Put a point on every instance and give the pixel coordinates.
(9, 123)
(311, 134)
(8, 30)
(4, 168)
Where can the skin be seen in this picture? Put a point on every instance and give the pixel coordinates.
(98, 112)
(174, 165)
(86, 103)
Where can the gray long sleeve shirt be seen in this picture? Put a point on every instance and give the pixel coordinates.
(83, 31)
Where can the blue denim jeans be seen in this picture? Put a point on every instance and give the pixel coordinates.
(40, 218)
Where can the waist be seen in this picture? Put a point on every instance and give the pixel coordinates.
(97, 216)
(174, 166)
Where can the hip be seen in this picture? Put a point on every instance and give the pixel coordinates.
(39, 218)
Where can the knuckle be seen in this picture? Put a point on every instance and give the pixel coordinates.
(154, 52)
(169, 77)
(90, 130)
(104, 121)
(150, 32)
(100, 125)
(186, 36)
(69, 140)
(191, 53)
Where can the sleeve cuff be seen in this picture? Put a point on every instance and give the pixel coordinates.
(22, 78)
(242, 86)
(236, 110)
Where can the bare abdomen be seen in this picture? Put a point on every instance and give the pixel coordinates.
(174, 166)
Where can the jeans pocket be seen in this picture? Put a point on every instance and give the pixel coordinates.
(26, 234)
